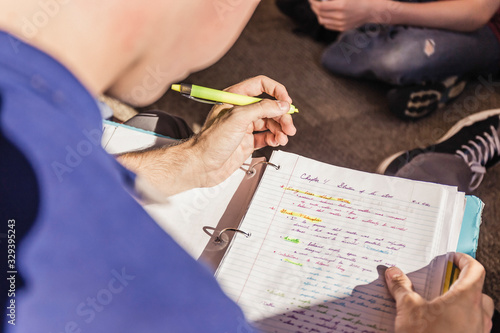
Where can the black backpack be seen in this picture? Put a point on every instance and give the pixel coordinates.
(305, 20)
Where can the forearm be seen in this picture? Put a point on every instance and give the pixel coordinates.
(171, 170)
(458, 15)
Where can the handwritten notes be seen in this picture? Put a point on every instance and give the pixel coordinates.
(321, 238)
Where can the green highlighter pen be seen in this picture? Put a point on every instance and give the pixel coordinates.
(213, 96)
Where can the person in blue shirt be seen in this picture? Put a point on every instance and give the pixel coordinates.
(83, 254)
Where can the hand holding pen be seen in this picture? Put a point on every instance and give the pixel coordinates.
(267, 130)
(273, 131)
(229, 136)
(233, 133)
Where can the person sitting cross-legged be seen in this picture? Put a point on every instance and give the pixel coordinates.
(427, 50)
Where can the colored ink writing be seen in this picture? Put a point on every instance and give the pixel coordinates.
(304, 216)
(292, 262)
(325, 197)
(293, 240)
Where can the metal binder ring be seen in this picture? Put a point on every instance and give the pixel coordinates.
(218, 239)
(251, 170)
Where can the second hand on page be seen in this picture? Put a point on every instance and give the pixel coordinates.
(199, 93)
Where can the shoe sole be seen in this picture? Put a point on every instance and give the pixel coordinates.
(452, 131)
(422, 108)
(427, 100)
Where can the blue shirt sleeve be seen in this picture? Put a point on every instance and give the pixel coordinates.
(91, 258)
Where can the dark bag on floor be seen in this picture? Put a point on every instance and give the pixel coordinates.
(160, 122)
(305, 19)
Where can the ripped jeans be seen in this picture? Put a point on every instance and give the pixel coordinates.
(403, 55)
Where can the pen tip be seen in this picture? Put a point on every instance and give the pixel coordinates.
(176, 87)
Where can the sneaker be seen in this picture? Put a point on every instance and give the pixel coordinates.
(460, 158)
(417, 101)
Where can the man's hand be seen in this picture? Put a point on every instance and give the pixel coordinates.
(279, 127)
(464, 308)
(228, 138)
(230, 135)
(341, 15)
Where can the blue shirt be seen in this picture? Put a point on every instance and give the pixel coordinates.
(88, 257)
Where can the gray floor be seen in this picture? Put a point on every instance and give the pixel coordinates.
(343, 121)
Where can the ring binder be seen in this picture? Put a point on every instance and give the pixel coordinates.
(251, 171)
(219, 239)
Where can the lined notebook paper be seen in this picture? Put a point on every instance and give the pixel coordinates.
(321, 239)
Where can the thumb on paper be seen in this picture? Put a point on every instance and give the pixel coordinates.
(399, 285)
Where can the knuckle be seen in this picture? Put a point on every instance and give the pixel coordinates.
(460, 289)
(408, 301)
(268, 103)
(235, 113)
(480, 268)
(260, 108)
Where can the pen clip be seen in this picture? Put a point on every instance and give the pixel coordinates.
(206, 101)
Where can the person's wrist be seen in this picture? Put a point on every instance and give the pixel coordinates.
(202, 162)
(188, 169)
(381, 11)
(367, 9)
(171, 170)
